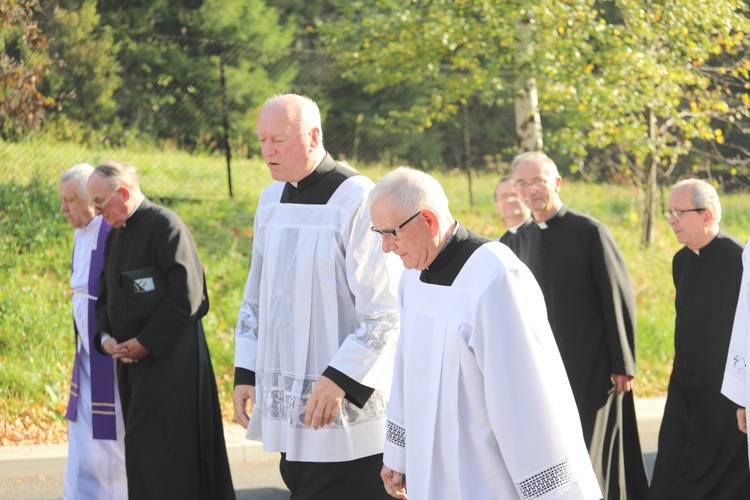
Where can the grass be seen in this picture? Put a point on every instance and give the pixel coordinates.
(36, 340)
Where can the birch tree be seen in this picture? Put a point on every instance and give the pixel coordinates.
(639, 79)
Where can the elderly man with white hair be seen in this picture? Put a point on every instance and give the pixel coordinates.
(480, 405)
(96, 453)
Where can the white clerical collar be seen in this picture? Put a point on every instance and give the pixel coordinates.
(91, 225)
(698, 252)
(294, 184)
(543, 224)
(515, 228)
(131, 213)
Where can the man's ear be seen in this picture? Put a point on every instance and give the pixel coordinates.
(125, 193)
(315, 137)
(708, 217)
(432, 220)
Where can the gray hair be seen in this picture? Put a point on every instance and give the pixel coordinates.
(306, 111)
(545, 160)
(703, 195)
(82, 171)
(411, 190)
(118, 174)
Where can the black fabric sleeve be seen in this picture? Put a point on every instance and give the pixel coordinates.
(243, 376)
(356, 393)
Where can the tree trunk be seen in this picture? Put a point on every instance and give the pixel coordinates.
(467, 155)
(225, 121)
(528, 121)
(649, 206)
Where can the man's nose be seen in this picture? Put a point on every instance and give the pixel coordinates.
(386, 244)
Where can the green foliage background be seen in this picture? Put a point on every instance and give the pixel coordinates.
(36, 338)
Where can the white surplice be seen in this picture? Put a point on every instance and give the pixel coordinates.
(735, 385)
(95, 468)
(320, 293)
(481, 407)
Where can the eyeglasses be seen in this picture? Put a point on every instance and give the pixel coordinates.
(678, 213)
(539, 182)
(506, 196)
(100, 206)
(394, 232)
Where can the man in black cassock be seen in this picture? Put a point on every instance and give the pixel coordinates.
(702, 454)
(152, 297)
(511, 209)
(591, 308)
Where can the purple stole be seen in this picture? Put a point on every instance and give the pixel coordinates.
(102, 374)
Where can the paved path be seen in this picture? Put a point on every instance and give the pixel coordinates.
(36, 472)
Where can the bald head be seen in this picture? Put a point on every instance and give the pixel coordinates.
(290, 136)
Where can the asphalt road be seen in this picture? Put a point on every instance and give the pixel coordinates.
(36, 472)
(255, 477)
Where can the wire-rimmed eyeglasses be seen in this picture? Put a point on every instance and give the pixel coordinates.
(100, 206)
(523, 185)
(678, 213)
(393, 233)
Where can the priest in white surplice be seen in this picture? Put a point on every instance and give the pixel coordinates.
(95, 467)
(480, 407)
(318, 324)
(736, 386)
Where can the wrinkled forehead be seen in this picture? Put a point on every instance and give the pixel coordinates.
(528, 169)
(277, 119)
(96, 185)
(505, 186)
(681, 197)
(69, 188)
(383, 212)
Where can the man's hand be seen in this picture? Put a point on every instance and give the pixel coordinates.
(394, 482)
(243, 393)
(130, 351)
(324, 404)
(742, 419)
(109, 346)
(623, 383)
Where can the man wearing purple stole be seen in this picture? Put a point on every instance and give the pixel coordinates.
(96, 454)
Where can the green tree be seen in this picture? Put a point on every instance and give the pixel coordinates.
(453, 56)
(88, 76)
(23, 65)
(651, 79)
(639, 79)
(188, 67)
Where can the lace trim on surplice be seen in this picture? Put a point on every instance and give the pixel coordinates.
(395, 434)
(376, 330)
(543, 482)
(284, 397)
(737, 361)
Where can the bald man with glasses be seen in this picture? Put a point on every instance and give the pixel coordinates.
(702, 454)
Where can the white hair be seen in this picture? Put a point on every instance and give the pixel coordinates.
(411, 190)
(82, 171)
(545, 160)
(703, 195)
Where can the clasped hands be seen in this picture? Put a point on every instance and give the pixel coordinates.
(130, 351)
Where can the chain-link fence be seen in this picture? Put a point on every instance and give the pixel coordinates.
(186, 120)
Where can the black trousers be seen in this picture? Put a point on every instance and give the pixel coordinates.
(354, 480)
